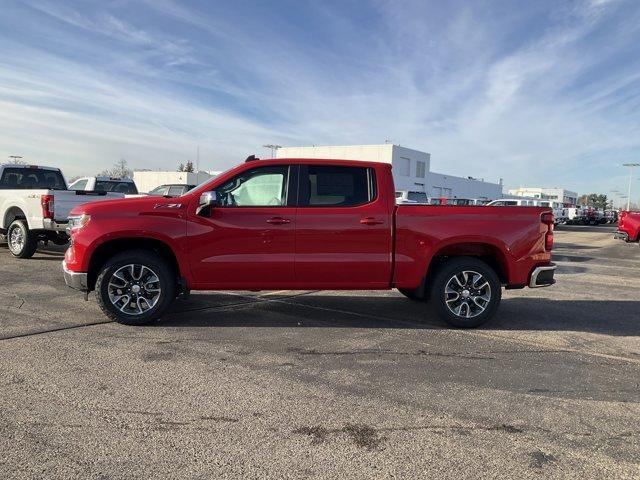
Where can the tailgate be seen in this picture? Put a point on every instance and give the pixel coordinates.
(67, 200)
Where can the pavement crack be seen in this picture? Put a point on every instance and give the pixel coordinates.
(52, 330)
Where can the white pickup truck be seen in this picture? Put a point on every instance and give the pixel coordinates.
(35, 204)
(106, 184)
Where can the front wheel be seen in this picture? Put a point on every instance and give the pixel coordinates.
(135, 287)
(22, 243)
(466, 292)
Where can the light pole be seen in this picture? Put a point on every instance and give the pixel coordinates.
(15, 158)
(630, 165)
(273, 148)
(615, 193)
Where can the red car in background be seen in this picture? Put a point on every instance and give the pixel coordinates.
(628, 226)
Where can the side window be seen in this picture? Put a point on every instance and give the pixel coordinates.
(259, 187)
(79, 185)
(176, 191)
(335, 186)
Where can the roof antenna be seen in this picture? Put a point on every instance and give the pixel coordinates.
(251, 158)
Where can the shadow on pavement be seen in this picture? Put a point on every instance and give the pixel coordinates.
(618, 318)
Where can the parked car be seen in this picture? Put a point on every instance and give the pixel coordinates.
(303, 224)
(586, 215)
(611, 216)
(628, 227)
(406, 196)
(105, 184)
(466, 201)
(171, 190)
(35, 204)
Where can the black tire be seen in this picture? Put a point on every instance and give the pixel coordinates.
(28, 243)
(474, 298)
(412, 294)
(167, 282)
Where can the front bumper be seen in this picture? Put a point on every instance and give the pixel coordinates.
(543, 276)
(621, 235)
(50, 224)
(76, 280)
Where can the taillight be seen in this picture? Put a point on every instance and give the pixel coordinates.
(46, 201)
(548, 241)
(547, 219)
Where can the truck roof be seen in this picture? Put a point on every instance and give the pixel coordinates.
(322, 161)
(111, 179)
(32, 167)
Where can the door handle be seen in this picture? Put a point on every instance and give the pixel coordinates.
(278, 221)
(371, 221)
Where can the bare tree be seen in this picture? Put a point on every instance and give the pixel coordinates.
(120, 170)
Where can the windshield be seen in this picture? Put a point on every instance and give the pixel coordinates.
(32, 178)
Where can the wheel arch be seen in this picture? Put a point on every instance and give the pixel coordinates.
(12, 214)
(491, 254)
(108, 249)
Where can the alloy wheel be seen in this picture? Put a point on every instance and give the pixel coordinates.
(16, 240)
(467, 294)
(134, 289)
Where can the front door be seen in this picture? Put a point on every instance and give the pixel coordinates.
(248, 240)
(343, 229)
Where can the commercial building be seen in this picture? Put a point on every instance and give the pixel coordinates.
(148, 180)
(566, 197)
(411, 169)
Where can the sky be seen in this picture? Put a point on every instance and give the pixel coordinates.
(540, 93)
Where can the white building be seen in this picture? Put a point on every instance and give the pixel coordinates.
(411, 169)
(566, 197)
(148, 180)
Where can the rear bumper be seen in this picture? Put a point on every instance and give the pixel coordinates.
(543, 276)
(76, 280)
(621, 235)
(50, 224)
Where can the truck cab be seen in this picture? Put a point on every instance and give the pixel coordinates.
(125, 186)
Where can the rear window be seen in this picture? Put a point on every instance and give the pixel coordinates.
(31, 178)
(418, 197)
(335, 186)
(115, 186)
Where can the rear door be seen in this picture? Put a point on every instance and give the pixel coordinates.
(343, 234)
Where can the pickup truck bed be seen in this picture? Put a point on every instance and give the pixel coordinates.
(305, 224)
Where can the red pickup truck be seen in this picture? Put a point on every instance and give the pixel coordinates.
(303, 224)
(628, 227)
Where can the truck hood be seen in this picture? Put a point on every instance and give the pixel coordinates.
(127, 206)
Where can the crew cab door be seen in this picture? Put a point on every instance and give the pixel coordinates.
(343, 231)
(247, 240)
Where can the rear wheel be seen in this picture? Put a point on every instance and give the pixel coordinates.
(466, 292)
(22, 243)
(135, 287)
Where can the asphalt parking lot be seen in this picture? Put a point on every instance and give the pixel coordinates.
(326, 384)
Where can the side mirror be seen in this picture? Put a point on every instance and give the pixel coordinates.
(207, 200)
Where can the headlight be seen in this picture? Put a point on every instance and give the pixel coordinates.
(78, 221)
